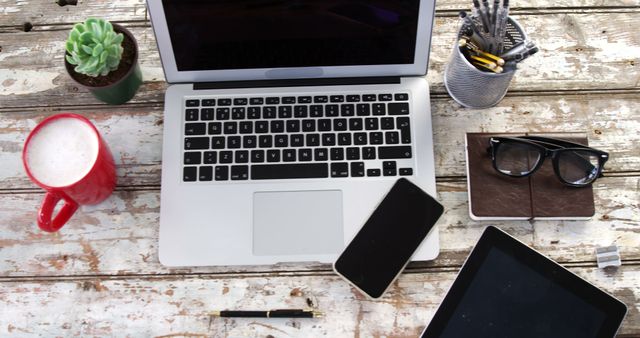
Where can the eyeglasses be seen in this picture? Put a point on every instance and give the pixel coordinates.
(574, 164)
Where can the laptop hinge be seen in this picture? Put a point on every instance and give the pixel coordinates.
(298, 82)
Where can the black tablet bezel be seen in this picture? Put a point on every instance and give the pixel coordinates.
(493, 237)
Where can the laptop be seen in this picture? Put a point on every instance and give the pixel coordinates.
(286, 123)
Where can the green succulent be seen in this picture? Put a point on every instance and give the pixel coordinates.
(94, 48)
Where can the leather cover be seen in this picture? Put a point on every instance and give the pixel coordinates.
(541, 195)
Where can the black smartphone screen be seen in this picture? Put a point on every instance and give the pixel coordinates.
(384, 245)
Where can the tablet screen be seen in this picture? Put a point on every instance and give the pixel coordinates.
(508, 290)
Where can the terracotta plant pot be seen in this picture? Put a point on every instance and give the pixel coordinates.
(118, 90)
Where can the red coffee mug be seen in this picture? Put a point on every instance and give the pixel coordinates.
(92, 188)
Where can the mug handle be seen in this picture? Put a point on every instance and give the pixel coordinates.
(46, 212)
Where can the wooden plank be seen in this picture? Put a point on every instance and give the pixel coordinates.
(571, 57)
(38, 13)
(120, 236)
(135, 133)
(170, 307)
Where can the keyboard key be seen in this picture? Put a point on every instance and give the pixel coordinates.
(277, 126)
(344, 139)
(208, 102)
(392, 137)
(222, 114)
(196, 143)
(226, 157)
(265, 141)
(222, 173)
(347, 110)
(375, 137)
(273, 100)
(353, 153)
(210, 157)
(357, 169)
(360, 139)
(297, 140)
(191, 115)
(398, 109)
(339, 124)
(224, 102)
(262, 127)
(324, 125)
(313, 140)
(316, 111)
(289, 155)
(240, 102)
(337, 154)
(308, 125)
(283, 171)
(391, 152)
(215, 128)
(373, 172)
(353, 98)
(368, 153)
(402, 97)
(385, 97)
(190, 174)
(336, 98)
(304, 155)
(205, 173)
(192, 103)
(246, 127)
(206, 114)
(285, 112)
(192, 157)
(379, 109)
(281, 140)
(405, 129)
(257, 156)
(230, 127)
(300, 111)
(387, 123)
(328, 139)
(289, 100)
(241, 156)
(195, 128)
(320, 154)
(256, 101)
(249, 141)
(273, 155)
(363, 109)
(355, 124)
(320, 99)
(217, 142)
(238, 113)
(371, 123)
(239, 172)
(340, 169)
(406, 171)
(304, 99)
(234, 142)
(269, 112)
(253, 113)
(331, 110)
(293, 126)
(389, 168)
(369, 97)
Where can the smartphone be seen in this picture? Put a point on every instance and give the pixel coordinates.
(385, 243)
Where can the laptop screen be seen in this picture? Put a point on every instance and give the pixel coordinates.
(245, 34)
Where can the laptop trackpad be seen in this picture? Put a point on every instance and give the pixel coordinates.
(297, 223)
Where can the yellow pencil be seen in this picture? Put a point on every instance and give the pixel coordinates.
(487, 62)
(495, 69)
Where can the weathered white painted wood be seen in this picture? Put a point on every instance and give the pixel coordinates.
(120, 236)
(573, 56)
(15, 13)
(135, 134)
(169, 306)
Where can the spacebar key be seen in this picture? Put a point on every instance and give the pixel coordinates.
(283, 171)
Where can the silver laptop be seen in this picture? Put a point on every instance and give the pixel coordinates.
(286, 122)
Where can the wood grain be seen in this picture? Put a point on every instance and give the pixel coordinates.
(572, 56)
(179, 306)
(120, 236)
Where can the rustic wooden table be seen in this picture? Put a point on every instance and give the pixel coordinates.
(100, 275)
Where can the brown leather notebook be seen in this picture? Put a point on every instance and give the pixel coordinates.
(493, 196)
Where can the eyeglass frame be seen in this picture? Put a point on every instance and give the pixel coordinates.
(559, 145)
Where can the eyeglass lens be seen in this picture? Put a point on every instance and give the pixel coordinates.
(578, 166)
(516, 159)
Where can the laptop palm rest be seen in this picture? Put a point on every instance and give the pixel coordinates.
(297, 223)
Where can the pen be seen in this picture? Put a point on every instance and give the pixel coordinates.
(476, 8)
(286, 313)
(503, 15)
(468, 22)
(494, 17)
(484, 15)
(520, 51)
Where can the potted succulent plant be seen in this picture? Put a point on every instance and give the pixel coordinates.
(103, 57)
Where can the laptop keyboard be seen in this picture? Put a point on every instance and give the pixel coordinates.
(294, 137)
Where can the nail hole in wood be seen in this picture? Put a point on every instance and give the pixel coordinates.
(63, 3)
(27, 26)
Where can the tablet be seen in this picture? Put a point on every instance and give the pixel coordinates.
(506, 289)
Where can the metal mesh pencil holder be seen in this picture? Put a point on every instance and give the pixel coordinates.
(474, 88)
